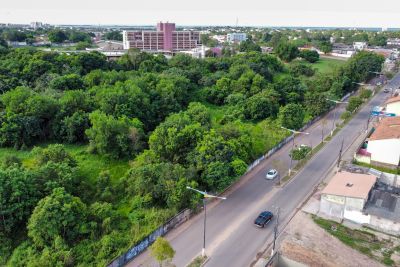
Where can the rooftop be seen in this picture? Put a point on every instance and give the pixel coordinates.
(388, 128)
(384, 202)
(350, 185)
(393, 99)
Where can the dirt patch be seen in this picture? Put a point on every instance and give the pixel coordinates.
(305, 242)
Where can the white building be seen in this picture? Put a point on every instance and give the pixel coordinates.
(360, 45)
(393, 105)
(384, 143)
(219, 38)
(36, 24)
(393, 41)
(346, 195)
(236, 37)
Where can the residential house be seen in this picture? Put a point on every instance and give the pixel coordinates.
(393, 105)
(360, 45)
(342, 50)
(346, 195)
(236, 37)
(362, 199)
(382, 148)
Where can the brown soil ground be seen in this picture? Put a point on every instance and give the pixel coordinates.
(305, 242)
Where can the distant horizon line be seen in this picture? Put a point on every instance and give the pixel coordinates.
(210, 25)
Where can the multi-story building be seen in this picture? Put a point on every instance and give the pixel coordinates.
(236, 37)
(165, 38)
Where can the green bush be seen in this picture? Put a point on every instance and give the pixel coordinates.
(354, 103)
(365, 93)
(300, 152)
(345, 115)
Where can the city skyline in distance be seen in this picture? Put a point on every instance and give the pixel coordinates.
(291, 13)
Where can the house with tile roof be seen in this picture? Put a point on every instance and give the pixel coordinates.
(383, 145)
(393, 105)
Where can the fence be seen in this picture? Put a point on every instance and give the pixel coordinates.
(175, 221)
(280, 145)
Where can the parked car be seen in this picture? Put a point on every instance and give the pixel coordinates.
(386, 90)
(263, 219)
(271, 174)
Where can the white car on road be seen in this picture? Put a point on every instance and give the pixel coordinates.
(271, 174)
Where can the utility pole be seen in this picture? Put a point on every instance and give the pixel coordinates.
(322, 130)
(275, 231)
(340, 154)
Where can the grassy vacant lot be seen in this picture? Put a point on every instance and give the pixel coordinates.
(90, 165)
(325, 65)
(364, 241)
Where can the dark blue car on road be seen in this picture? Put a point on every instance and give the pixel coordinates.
(263, 219)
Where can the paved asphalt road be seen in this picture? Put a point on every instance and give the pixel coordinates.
(232, 239)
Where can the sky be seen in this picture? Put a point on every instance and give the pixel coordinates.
(333, 13)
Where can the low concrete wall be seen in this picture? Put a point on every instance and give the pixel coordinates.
(384, 225)
(286, 262)
(330, 208)
(357, 216)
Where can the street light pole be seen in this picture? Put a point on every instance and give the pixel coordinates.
(294, 135)
(334, 112)
(203, 250)
(205, 195)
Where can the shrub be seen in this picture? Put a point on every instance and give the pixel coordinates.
(354, 103)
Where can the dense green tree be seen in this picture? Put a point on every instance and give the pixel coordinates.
(301, 69)
(67, 82)
(113, 35)
(124, 99)
(290, 89)
(73, 127)
(28, 117)
(87, 62)
(18, 196)
(316, 103)
(324, 46)
(211, 148)
(173, 139)
(262, 105)
(199, 113)
(117, 138)
(291, 116)
(286, 51)
(57, 36)
(361, 66)
(164, 183)
(79, 36)
(378, 40)
(311, 56)
(59, 214)
(248, 46)
(14, 35)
